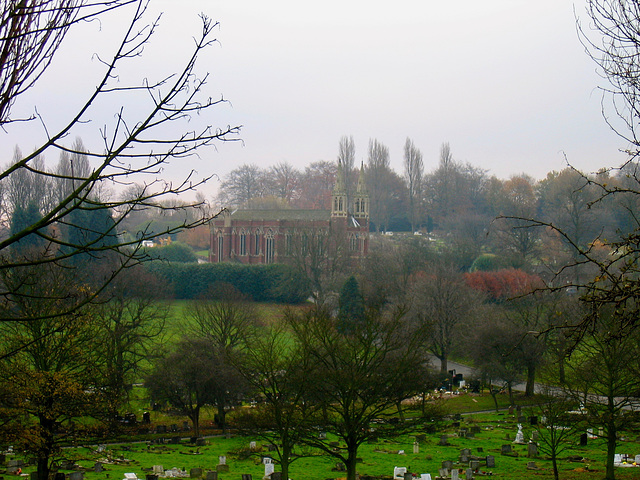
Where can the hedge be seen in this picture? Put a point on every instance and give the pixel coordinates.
(263, 283)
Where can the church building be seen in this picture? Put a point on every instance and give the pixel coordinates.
(282, 236)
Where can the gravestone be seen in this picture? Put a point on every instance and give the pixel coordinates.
(519, 435)
(448, 464)
(173, 427)
(425, 476)
(174, 440)
(535, 435)
(532, 450)
(443, 473)
(505, 449)
(475, 429)
(340, 467)
(637, 460)
(158, 469)
(222, 460)
(408, 476)
(269, 468)
(276, 476)
(201, 442)
(443, 441)
(195, 473)
(253, 446)
(468, 475)
(583, 440)
(462, 433)
(491, 461)
(322, 435)
(416, 447)
(522, 419)
(222, 464)
(463, 458)
(146, 417)
(480, 450)
(211, 475)
(455, 424)
(185, 426)
(533, 420)
(398, 473)
(246, 476)
(465, 451)
(474, 465)
(532, 466)
(97, 467)
(76, 476)
(161, 429)
(151, 476)
(455, 475)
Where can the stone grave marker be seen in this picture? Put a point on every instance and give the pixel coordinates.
(76, 476)
(247, 476)
(398, 473)
(130, 476)
(443, 473)
(463, 458)
(637, 459)
(505, 449)
(158, 469)
(276, 476)
(97, 467)
(201, 442)
(535, 436)
(150, 476)
(532, 450)
(491, 461)
(269, 468)
(211, 475)
(532, 466)
(455, 475)
(443, 441)
(583, 440)
(474, 465)
(416, 447)
(475, 429)
(408, 476)
(448, 464)
(425, 476)
(510, 409)
(253, 446)
(468, 474)
(480, 450)
(195, 473)
(522, 419)
(222, 464)
(533, 420)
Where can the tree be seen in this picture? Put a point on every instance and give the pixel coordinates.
(185, 379)
(413, 170)
(350, 307)
(48, 369)
(601, 375)
(358, 378)
(136, 145)
(277, 372)
(242, 186)
(347, 162)
(316, 185)
(129, 323)
(440, 302)
(282, 181)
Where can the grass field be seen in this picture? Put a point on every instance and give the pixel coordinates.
(378, 459)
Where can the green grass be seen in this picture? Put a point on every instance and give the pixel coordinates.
(378, 458)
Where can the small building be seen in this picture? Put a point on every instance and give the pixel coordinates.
(285, 236)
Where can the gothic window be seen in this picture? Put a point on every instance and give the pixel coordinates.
(220, 248)
(256, 243)
(288, 247)
(357, 206)
(270, 247)
(353, 242)
(340, 204)
(242, 248)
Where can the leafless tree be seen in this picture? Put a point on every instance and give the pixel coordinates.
(136, 146)
(242, 186)
(413, 170)
(347, 161)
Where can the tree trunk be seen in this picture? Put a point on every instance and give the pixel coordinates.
(46, 449)
(351, 461)
(554, 461)
(222, 418)
(443, 366)
(400, 411)
(529, 390)
(285, 460)
(611, 450)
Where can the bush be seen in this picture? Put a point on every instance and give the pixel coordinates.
(174, 252)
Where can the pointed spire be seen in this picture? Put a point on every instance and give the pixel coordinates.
(340, 186)
(362, 186)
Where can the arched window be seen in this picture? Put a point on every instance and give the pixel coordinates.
(270, 245)
(220, 248)
(256, 243)
(353, 242)
(242, 248)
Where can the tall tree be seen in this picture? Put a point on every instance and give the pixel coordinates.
(347, 162)
(242, 186)
(413, 172)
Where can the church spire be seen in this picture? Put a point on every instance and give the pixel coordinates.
(339, 197)
(361, 198)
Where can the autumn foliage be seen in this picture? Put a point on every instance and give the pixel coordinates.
(503, 284)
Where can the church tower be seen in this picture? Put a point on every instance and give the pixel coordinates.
(361, 198)
(339, 206)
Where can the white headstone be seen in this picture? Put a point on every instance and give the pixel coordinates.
(269, 468)
(454, 474)
(222, 460)
(425, 476)
(252, 446)
(266, 460)
(617, 459)
(158, 470)
(637, 460)
(398, 472)
(416, 447)
(130, 476)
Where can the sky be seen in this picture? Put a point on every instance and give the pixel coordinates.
(506, 83)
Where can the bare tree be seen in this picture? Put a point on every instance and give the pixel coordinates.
(413, 171)
(242, 186)
(135, 147)
(347, 161)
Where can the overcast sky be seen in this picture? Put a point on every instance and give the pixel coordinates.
(505, 82)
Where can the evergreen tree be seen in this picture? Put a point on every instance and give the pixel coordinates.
(351, 307)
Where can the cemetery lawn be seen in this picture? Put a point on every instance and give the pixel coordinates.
(493, 430)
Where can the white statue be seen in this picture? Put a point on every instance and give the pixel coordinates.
(519, 435)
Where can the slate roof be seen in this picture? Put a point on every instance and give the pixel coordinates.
(281, 214)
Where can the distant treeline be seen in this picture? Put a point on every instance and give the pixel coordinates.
(263, 283)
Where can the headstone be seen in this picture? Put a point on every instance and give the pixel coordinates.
(463, 459)
(637, 460)
(151, 476)
(505, 449)
(158, 470)
(97, 467)
(276, 476)
(583, 440)
(76, 476)
(443, 473)
(130, 476)
(211, 475)
(455, 474)
(475, 429)
(416, 447)
(246, 476)
(425, 476)
(535, 436)
(408, 476)
(462, 433)
(195, 473)
(468, 475)
(491, 461)
(253, 446)
(480, 450)
(465, 451)
(532, 466)
(173, 427)
(510, 409)
(222, 468)
(269, 468)
(201, 442)
(533, 420)
(474, 465)
(398, 473)
(322, 435)
(222, 460)
(185, 426)
(617, 459)
(448, 464)
(518, 409)
(161, 429)
(455, 424)
(443, 440)
(532, 450)
(522, 419)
